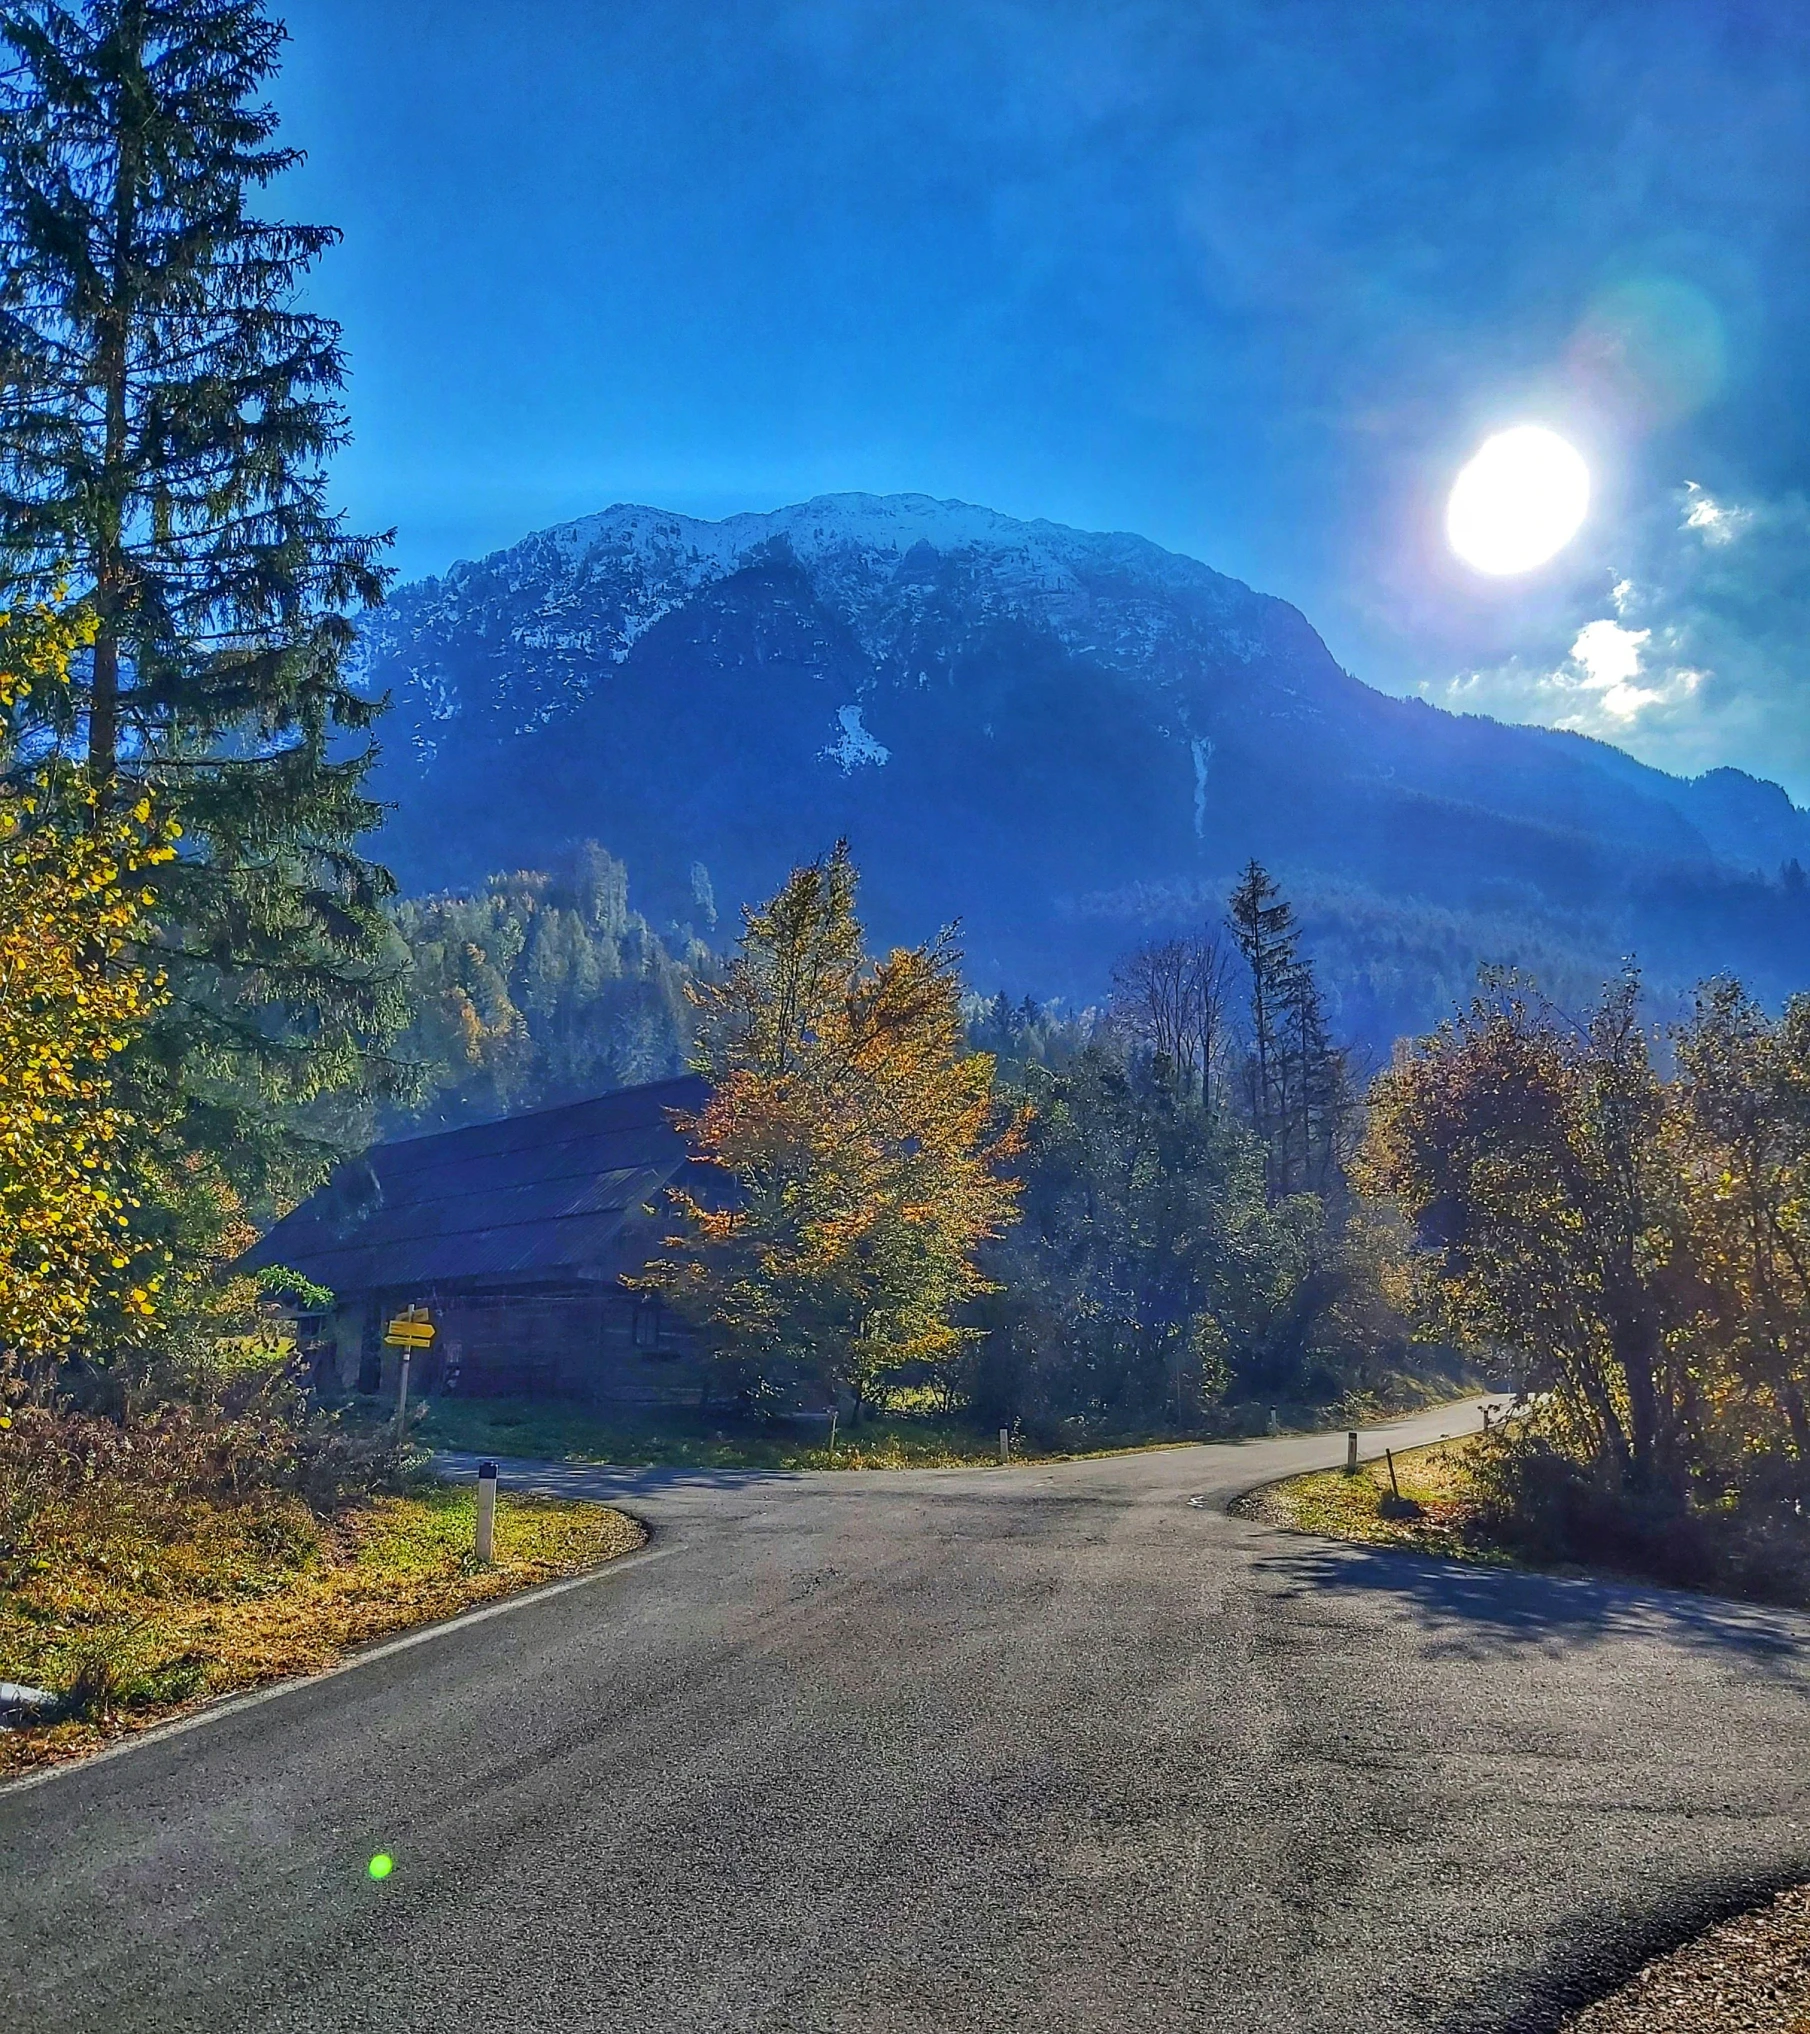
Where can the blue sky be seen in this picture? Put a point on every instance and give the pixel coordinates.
(1251, 279)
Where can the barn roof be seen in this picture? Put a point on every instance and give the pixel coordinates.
(560, 1195)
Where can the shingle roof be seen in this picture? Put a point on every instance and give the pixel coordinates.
(558, 1195)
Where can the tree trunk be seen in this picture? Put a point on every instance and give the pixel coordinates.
(1653, 1469)
(1791, 1403)
(112, 368)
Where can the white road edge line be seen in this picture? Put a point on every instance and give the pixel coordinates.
(380, 1649)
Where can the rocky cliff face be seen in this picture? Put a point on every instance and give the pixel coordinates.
(1061, 738)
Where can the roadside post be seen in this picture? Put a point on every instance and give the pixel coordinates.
(1389, 1454)
(833, 1411)
(484, 1543)
(1351, 1452)
(1005, 1444)
(409, 1331)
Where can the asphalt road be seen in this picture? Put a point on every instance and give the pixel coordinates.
(1045, 1748)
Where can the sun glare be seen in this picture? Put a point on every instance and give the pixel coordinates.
(1519, 502)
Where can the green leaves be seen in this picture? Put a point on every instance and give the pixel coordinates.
(167, 412)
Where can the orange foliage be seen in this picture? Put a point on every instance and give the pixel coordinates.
(863, 1149)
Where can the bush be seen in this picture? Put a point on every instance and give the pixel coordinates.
(1546, 1503)
(160, 1463)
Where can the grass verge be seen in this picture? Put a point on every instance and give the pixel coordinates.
(545, 1432)
(1436, 1513)
(1493, 1499)
(134, 1613)
(549, 1431)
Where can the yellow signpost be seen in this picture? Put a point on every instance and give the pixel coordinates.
(409, 1331)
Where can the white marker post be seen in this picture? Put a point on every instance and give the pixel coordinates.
(1351, 1452)
(1005, 1444)
(484, 1543)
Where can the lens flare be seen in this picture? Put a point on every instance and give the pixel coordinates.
(381, 1865)
(1520, 501)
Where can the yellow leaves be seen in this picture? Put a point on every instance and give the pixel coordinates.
(861, 1139)
(37, 644)
(70, 1004)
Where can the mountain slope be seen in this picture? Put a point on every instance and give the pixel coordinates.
(1061, 738)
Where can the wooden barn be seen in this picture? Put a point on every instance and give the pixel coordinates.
(517, 1237)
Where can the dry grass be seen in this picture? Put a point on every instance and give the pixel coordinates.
(1435, 1518)
(136, 1606)
(1508, 1500)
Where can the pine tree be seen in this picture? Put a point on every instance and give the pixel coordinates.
(1263, 928)
(1316, 1088)
(166, 415)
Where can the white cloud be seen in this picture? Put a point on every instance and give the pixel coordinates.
(1604, 687)
(1608, 656)
(1720, 523)
(1608, 653)
(1701, 658)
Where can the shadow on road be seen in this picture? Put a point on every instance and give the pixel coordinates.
(1474, 1612)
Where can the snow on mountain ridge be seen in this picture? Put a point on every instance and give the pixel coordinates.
(567, 600)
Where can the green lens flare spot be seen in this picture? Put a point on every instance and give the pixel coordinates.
(381, 1865)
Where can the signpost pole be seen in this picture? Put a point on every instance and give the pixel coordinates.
(409, 1331)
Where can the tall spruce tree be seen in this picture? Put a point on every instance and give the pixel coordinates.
(1317, 1089)
(1263, 929)
(167, 412)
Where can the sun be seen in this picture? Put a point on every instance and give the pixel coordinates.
(1520, 501)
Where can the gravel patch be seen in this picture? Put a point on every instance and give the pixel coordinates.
(1749, 1976)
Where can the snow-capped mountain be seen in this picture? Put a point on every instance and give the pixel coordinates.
(895, 571)
(1058, 737)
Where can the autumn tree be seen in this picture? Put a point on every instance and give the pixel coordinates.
(858, 1147)
(1538, 1164)
(168, 406)
(1744, 1091)
(74, 994)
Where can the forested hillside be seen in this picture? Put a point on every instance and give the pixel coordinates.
(537, 987)
(1068, 742)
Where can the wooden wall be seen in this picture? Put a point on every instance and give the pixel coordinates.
(595, 1344)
